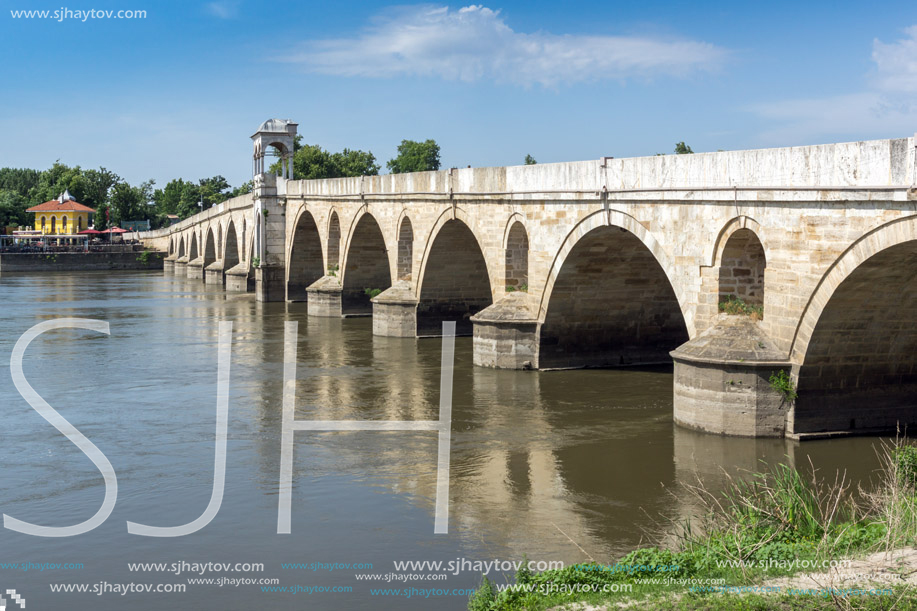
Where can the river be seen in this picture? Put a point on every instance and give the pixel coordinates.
(561, 466)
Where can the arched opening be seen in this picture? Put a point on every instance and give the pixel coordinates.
(456, 285)
(611, 305)
(305, 265)
(43, 224)
(79, 224)
(517, 258)
(742, 269)
(219, 238)
(334, 244)
(231, 254)
(860, 367)
(181, 247)
(192, 252)
(367, 273)
(210, 253)
(243, 240)
(53, 224)
(405, 249)
(63, 224)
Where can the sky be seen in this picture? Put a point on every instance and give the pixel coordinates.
(179, 92)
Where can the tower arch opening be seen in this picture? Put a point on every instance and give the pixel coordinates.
(334, 243)
(405, 249)
(516, 260)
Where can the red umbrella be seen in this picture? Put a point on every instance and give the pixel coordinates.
(116, 230)
(90, 232)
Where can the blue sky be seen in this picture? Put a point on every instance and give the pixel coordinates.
(178, 94)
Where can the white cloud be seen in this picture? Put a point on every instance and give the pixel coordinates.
(897, 63)
(475, 43)
(224, 9)
(884, 106)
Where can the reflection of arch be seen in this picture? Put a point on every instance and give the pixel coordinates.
(405, 248)
(366, 265)
(231, 250)
(210, 253)
(742, 263)
(516, 256)
(611, 303)
(304, 263)
(890, 234)
(334, 242)
(454, 282)
(856, 347)
(623, 221)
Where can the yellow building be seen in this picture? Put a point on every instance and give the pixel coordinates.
(62, 216)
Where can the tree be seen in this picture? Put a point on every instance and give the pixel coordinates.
(311, 161)
(529, 160)
(415, 157)
(683, 149)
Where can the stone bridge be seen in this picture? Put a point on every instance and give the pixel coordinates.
(614, 262)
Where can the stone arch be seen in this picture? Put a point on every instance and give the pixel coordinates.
(714, 253)
(405, 261)
(334, 242)
(855, 350)
(742, 262)
(192, 250)
(181, 247)
(220, 238)
(615, 218)
(610, 301)
(210, 252)
(366, 266)
(516, 255)
(452, 287)
(244, 242)
(304, 262)
(231, 249)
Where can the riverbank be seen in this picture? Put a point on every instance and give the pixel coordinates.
(33, 262)
(779, 539)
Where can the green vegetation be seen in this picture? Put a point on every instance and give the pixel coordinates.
(144, 257)
(522, 288)
(312, 161)
(415, 157)
(333, 270)
(768, 525)
(256, 261)
(781, 382)
(682, 149)
(372, 293)
(736, 305)
(529, 160)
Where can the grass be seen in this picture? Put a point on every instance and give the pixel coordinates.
(737, 306)
(757, 528)
(781, 382)
(372, 293)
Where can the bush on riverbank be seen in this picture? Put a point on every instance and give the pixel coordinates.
(775, 523)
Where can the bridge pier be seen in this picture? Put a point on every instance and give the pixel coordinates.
(324, 297)
(168, 264)
(237, 279)
(722, 381)
(395, 312)
(213, 274)
(196, 269)
(506, 334)
(270, 284)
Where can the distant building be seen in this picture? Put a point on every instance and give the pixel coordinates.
(61, 216)
(173, 218)
(135, 225)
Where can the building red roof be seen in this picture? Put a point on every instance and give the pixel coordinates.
(56, 206)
